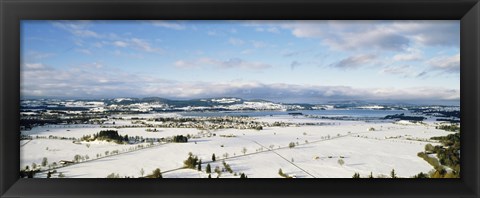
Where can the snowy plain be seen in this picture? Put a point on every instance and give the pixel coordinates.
(317, 152)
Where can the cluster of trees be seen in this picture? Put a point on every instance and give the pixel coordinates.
(156, 174)
(393, 174)
(291, 144)
(243, 176)
(455, 113)
(421, 175)
(113, 175)
(227, 167)
(217, 170)
(356, 175)
(448, 120)
(449, 140)
(431, 160)
(448, 155)
(402, 116)
(108, 135)
(27, 173)
(451, 127)
(192, 161)
(151, 130)
(180, 138)
(213, 122)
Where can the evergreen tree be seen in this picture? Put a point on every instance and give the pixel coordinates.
(371, 175)
(213, 157)
(157, 173)
(44, 161)
(356, 175)
(243, 175)
(191, 162)
(421, 175)
(291, 145)
(209, 176)
(393, 174)
(209, 169)
(199, 165)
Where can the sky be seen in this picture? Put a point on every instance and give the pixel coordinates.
(283, 61)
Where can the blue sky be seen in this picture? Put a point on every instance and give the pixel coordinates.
(287, 61)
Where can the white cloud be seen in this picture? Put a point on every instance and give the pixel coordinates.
(80, 81)
(84, 51)
(96, 80)
(143, 45)
(169, 24)
(86, 33)
(183, 64)
(81, 31)
(370, 35)
(446, 63)
(240, 63)
(136, 44)
(33, 66)
(120, 44)
(78, 28)
(405, 71)
(268, 29)
(295, 93)
(432, 33)
(36, 55)
(236, 41)
(259, 44)
(354, 61)
(412, 54)
(348, 35)
(222, 64)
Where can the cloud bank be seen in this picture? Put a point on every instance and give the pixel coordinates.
(39, 80)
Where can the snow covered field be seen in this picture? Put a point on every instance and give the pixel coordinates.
(317, 153)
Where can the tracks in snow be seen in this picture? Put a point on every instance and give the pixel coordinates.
(25, 143)
(282, 158)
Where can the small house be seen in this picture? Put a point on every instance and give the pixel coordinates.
(65, 162)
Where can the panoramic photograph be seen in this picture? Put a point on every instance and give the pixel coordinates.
(240, 99)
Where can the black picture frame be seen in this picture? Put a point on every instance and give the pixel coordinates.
(12, 11)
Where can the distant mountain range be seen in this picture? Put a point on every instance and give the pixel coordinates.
(213, 104)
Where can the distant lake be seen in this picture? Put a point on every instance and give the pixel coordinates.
(329, 113)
